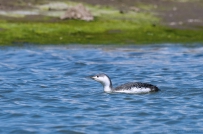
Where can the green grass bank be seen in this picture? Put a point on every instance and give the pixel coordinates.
(96, 32)
(109, 27)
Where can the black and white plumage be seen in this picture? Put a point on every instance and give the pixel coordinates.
(132, 87)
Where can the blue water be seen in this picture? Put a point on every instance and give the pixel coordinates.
(45, 89)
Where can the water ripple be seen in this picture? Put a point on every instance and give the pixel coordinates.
(47, 89)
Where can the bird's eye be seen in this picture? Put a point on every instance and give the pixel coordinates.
(97, 76)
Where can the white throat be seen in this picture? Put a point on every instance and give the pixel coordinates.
(106, 82)
(107, 89)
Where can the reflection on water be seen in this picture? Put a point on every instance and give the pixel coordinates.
(46, 89)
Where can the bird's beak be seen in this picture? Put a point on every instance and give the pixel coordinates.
(92, 77)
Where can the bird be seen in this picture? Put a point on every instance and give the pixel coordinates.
(131, 87)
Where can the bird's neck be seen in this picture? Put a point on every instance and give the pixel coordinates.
(108, 89)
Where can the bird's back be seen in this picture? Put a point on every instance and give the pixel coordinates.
(136, 87)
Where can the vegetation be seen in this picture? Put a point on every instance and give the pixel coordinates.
(109, 27)
(96, 32)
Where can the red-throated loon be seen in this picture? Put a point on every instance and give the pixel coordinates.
(132, 87)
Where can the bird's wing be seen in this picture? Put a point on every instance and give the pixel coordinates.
(130, 85)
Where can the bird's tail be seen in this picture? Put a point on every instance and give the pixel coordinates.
(155, 89)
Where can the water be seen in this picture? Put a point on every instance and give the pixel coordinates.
(47, 90)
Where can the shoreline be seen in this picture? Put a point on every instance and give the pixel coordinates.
(111, 26)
